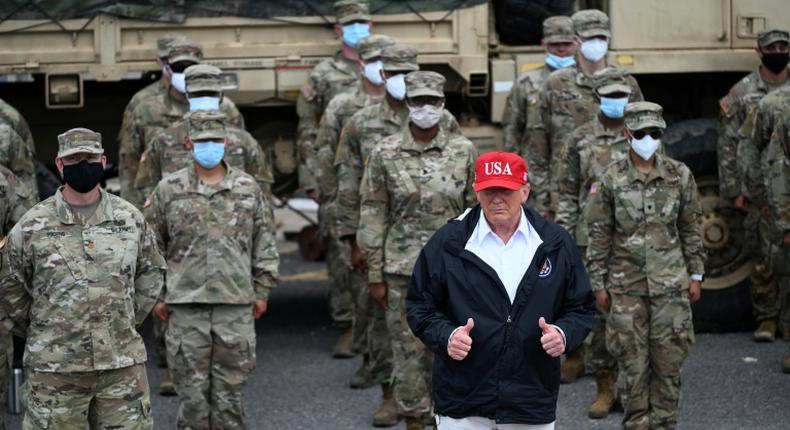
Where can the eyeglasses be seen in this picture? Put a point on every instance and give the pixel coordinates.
(639, 134)
(180, 66)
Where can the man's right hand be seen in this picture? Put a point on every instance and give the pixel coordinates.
(740, 203)
(357, 258)
(460, 342)
(313, 194)
(160, 311)
(378, 291)
(602, 299)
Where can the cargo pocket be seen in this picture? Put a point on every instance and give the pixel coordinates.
(683, 327)
(146, 420)
(619, 328)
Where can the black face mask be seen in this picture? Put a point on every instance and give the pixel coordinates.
(83, 176)
(776, 61)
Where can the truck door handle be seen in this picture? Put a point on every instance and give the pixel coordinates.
(723, 34)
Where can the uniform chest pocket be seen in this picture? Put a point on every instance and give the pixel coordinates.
(400, 178)
(629, 206)
(184, 215)
(663, 204)
(445, 178)
(112, 248)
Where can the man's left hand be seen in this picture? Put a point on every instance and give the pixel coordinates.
(552, 339)
(259, 308)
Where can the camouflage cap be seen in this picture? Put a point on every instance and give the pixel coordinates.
(206, 125)
(203, 77)
(642, 115)
(165, 40)
(765, 38)
(399, 58)
(591, 23)
(184, 50)
(351, 10)
(611, 80)
(558, 29)
(78, 140)
(425, 83)
(371, 46)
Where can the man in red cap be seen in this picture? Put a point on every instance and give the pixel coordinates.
(498, 294)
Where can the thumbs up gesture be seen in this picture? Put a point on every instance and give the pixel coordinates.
(552, 340)
(460, 342)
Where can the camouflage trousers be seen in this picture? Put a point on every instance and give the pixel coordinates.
(650, 337)
(160, 328)
(762, 285)
(6, 351)
(211, 352)
(412, 362)
(116, 399)
(779, 258)
(596, 355)
(371, 337)
(338, 264)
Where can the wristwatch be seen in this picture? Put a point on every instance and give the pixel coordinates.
(698, 277)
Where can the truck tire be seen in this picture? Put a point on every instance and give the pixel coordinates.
(46, 180)
(726, 301)
(520, 22)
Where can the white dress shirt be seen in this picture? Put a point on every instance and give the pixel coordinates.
(509, 260)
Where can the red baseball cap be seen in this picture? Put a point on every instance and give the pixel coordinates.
(500, 169)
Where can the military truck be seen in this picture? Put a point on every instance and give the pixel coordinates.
(77, 62)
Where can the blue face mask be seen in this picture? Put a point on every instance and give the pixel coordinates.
(353, 33)
(613, 108)
(208, 154)
(557, 62)
(203, 103)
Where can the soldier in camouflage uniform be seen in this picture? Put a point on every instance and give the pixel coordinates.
(567, 101)
(167, 152)
(329, 78)
(216, 230)
(413, 182)
(15, 200)
(775, 161)
(371, 341)
(81, 272)
(587, 153)
(160, 111)
(154, 88)
(645, 261)
(520, 114)
(17, 147)
(735, 106)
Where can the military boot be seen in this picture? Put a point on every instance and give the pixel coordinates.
(604, 402)
(786, 364)
(342, 348)
(387, 413)
(166, 388)
(766, 332)
(573, 367)
(362, 378)
(414, 423)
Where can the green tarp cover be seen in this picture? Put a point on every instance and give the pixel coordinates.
(178, 10)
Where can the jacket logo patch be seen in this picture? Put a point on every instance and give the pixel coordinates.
(545, 270)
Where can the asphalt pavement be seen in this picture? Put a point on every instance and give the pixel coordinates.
(729, 382)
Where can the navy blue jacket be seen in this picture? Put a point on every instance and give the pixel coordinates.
(507, 376)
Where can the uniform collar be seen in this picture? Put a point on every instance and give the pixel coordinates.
(64, 213)
(226, 183)
(439, 141)
(659, 170)
(602, 131)
(392, 115)
(344, 65)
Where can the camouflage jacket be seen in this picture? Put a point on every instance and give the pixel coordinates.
(755, 134)
(15, 200)
(566, 101)
(150, 90)
(735, 106)
(521, 111)
(643, 237)
(150, 116)
(78, 291)
(587, 152)
(775, 161)
(17, 157)
(337, 114)
(408, 191)
(218, 239)
(328, 78)
(167, 154)
(363, 133)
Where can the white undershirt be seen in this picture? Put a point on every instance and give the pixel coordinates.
(509, 260)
